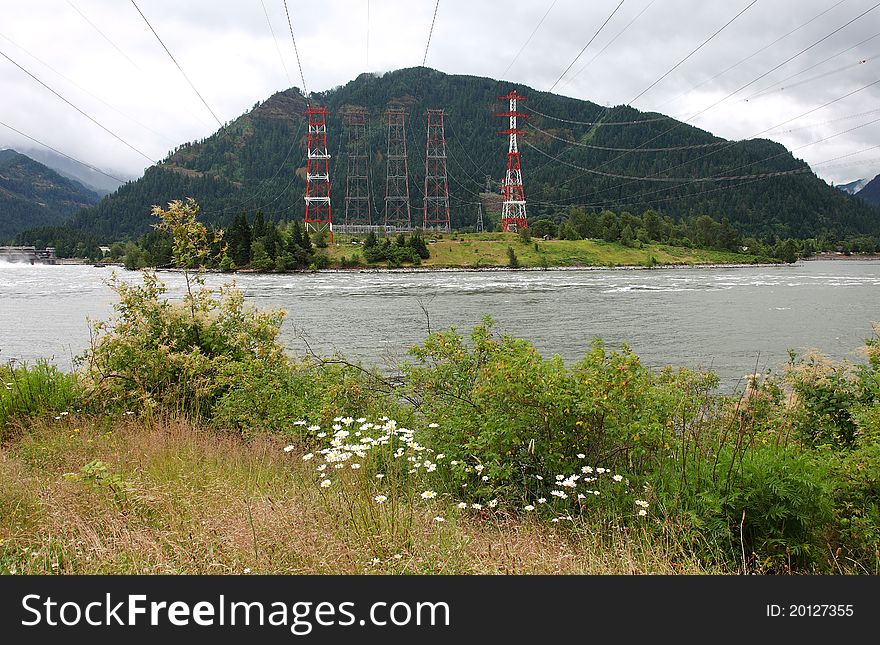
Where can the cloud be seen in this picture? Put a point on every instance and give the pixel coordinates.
(229, 53)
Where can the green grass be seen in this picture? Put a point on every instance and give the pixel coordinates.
(490, 250)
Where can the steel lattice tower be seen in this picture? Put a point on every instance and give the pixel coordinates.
(357, 180)
(397, 210)
(318, 214)
(513, 208)
(436, 182)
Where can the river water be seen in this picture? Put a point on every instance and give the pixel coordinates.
(729, 319)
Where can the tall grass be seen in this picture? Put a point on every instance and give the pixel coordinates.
(40, 389)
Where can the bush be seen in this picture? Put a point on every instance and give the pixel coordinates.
(28, 391)
(767, 504)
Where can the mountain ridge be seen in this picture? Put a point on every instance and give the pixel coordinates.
(32, 194)
(257, 161)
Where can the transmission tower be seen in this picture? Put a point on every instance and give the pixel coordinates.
(436, 181)
(357, 180)
(318, 215)
(397, 211)
(480, 227)
(513, 200)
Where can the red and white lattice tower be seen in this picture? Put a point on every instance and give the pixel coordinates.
(357, 179)
(513, 200)
(436, 182)
(397, 209)
(319, 217)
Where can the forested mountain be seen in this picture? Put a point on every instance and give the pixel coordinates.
(258, 162)
(33, 195)
(871, 192)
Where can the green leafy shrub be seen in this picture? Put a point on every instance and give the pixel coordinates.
(29, 391)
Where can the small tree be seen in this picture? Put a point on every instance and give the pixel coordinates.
(512, 260)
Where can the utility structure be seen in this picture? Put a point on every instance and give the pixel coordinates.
(513, 200)
(357, 179)
(319, 217)
(436, 198)
(397, 209)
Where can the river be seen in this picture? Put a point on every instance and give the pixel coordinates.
(729, 319)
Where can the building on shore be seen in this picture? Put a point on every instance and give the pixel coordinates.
(28, 255)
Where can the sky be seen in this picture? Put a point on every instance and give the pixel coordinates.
(102, 57)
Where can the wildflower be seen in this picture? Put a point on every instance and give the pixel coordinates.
(479, 468)
(617, 478)
(347, 421)
(560, 494)
(440, 455)
(380, 499)
(326, 483)
(355, 466)
(539, 477)
(397, 556)
(595, 492)
(313, 429)
(642, 512)
(379, 476)
(439, 519)
(433, 425)
(337, 427)
(642, 503)
(555, 519)
(476, 506)
(432, 468)
(581, 496)
(247, 570)
(559, 478)
(485, 478)
(541, 500)
(528, 507)
(454, 462)
(321, 467)
(586, 470)
(375, 562)
(128, 413)
(581, 455)
(306, 456)
(493, 503)
(429, 494)
(338, 466)
(299, 423)
(462, 505)
(361, 419)
(600, 470)
(321, 435)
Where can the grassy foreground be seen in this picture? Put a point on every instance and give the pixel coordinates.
(485, 250)
(175, 498)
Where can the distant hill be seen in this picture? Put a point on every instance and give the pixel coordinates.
(92, 180)
(852, 187)
(32, 194)
(258, 162)
(871, 192)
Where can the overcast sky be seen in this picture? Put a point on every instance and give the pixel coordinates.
(133, 88)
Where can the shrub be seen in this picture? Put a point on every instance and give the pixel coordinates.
(28, 391)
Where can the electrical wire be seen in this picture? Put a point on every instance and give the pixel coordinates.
(174, 60)
(589, 42)
(296, 51)
(430, 32)
(277, 46)
(698, 48)
(63, 154)
(529, 39)
(85, 114)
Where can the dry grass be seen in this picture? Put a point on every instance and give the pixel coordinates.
(196, 502)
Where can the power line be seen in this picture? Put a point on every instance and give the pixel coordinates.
(277, 47)
(598, 31)
(85, 91)
(786, 61)
(63, 154)
(807, 69)
(529, 39)
(769, 91)
(104, 36)
(753, 54)
(592, 147)
(88, 116)
(602, 123)
(610, 42)
(204, 102)
(296, 51)
(699, 47)
(430, 32)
